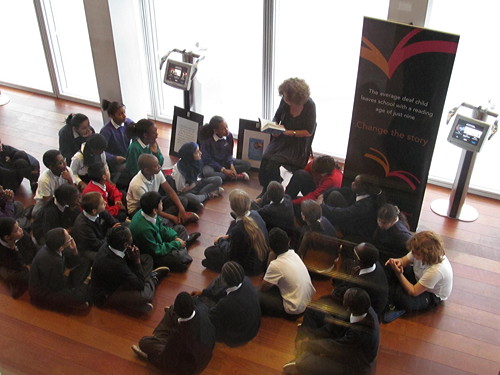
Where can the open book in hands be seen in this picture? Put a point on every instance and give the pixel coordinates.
(268, 126)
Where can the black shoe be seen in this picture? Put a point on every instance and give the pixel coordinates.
(83, 307)
(192, 239)
(17, 291)
(160, 273)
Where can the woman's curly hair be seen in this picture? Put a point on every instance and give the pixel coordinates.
(296, 90)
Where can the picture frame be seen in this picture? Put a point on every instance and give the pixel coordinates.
(185, 128)
(252, 143)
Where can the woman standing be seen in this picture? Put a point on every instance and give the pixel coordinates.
(291, 148)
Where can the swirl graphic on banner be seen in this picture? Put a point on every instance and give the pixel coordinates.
(384, 163)
(404, 51)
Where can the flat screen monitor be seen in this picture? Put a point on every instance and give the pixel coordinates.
(468, 133)
(178, 74)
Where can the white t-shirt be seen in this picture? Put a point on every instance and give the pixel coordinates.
(79, 168)
(180, 181)
(290, 275)
(140, 185)
(48, 182)
(437, 278)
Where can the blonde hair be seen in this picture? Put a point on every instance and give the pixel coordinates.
(240, 204)
(296, 90)
(427, 244)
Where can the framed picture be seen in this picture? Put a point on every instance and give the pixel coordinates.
(185, 128)
(251, 142)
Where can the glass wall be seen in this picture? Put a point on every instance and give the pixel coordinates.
(475, 80)
(315, 40)
(23, 60)
(70, 45)
(230, 76)
(320, 43)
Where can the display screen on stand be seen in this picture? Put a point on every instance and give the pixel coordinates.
(178, 74)
(468, 133)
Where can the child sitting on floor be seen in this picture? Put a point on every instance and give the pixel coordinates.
(15, 165)
(186, 174)
(92, 225)
(57, 174)
(146, 133)
(115, 133)
(153, 237)
(276, 208)
(91, 152)
(217, 145)
(246, 241)
(110, 193)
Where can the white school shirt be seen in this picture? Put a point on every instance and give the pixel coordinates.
(290, 275)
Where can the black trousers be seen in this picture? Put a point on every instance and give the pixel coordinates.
(135, 300)
(154, 345)
(404, 301)
(74, 295)
(301, 182)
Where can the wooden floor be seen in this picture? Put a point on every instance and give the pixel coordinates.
(461, 337)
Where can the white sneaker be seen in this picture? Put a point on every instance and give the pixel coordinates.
(215, 193)
(290, 368)
(243, 176)
(139, 352)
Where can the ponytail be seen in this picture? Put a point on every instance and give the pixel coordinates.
(208, 130)
(111, 107)
(138, 129)
(130, 130)
(75, 119)
(257, 238)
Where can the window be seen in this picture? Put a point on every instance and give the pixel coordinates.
(230, 76)
(23, 60)
(320, 42)
(70, 46)
(475, 80)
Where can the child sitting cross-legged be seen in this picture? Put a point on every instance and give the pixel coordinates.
(91, 152)
(110, 193)
(92, 225)
(186, 174)
(153, 237)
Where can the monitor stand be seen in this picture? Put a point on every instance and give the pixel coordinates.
(454, 207)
